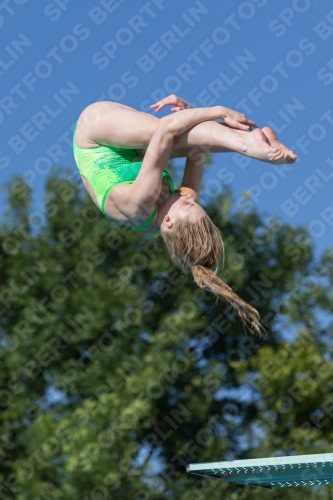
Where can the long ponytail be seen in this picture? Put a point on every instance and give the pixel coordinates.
(207, 278)
(199, 245)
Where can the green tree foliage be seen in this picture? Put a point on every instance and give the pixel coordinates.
(117, 371)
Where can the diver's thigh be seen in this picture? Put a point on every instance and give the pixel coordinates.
(114, 124)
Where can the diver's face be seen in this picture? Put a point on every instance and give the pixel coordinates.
(182, 206)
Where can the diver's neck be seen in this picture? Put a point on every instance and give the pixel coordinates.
(160, 214)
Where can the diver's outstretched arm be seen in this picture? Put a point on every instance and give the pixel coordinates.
(232, 118)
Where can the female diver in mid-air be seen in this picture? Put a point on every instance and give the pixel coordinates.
(121, 154)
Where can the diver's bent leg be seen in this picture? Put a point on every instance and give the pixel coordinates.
(117, 125)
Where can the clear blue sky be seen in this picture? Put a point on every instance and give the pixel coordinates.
(271, 60)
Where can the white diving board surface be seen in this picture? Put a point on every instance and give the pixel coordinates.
(273, 472)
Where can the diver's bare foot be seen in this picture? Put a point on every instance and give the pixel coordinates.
(275, 143)
(257, 146)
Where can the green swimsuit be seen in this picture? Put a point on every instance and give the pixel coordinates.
(105, 167)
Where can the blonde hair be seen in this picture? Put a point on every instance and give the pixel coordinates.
(199, 246)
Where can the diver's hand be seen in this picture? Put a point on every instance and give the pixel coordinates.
(237, 120)
(172, 100)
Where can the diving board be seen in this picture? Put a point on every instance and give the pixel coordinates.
(274, 472)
